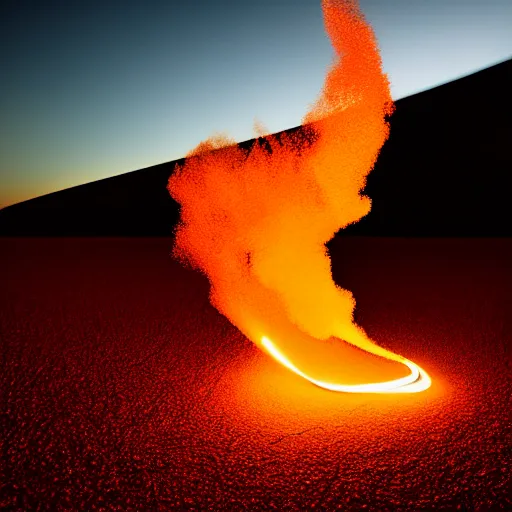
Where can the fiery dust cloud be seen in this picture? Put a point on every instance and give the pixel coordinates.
(256, 221)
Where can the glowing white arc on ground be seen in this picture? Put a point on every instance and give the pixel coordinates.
(418, 380)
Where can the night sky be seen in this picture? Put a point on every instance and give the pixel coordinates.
(91, 89)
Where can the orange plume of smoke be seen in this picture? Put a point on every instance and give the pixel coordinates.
(256, 222)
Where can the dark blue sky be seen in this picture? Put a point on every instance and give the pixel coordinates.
(98, 88)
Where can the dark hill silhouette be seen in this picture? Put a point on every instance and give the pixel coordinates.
(445, 171)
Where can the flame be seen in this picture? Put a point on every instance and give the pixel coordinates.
(256, 221)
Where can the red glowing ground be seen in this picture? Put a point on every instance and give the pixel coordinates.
(121, 387)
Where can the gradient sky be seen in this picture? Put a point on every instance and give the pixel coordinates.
(91, 89)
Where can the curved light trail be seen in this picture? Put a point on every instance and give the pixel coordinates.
(418, 380)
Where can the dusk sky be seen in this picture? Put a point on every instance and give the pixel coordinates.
(91, 89)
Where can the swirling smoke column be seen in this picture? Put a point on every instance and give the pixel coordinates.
(256, 222)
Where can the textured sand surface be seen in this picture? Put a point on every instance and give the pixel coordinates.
(122, 388)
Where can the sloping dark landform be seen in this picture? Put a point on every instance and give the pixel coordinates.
(122, 389)
(445, 171)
